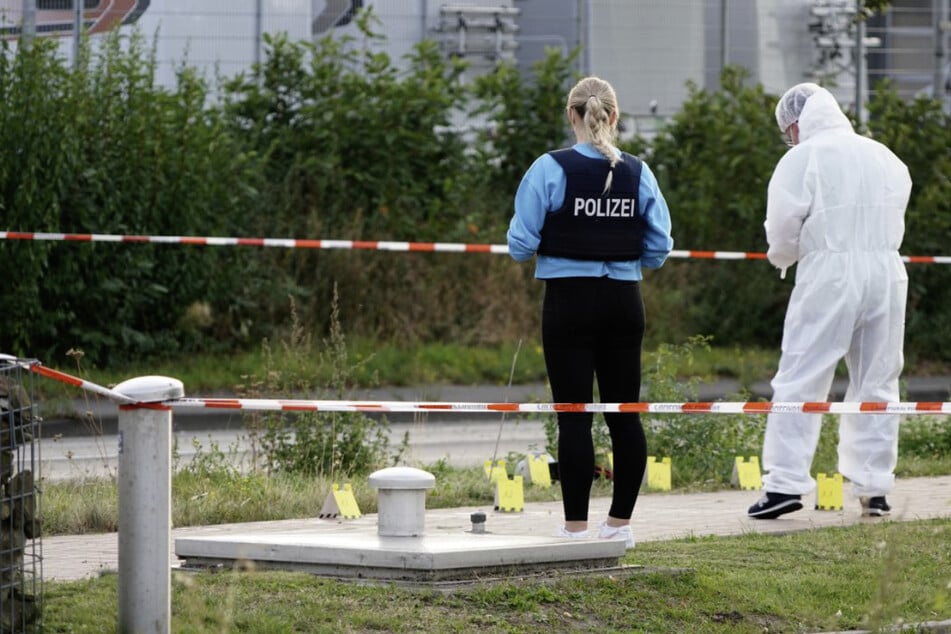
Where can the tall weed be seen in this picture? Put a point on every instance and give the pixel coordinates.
(702, 447)
(323, 444)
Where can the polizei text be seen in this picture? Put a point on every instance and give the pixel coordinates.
(606, 207)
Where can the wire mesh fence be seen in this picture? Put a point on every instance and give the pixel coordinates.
(21, 550)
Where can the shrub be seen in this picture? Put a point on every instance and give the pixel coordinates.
(101, 149)
(713, 161)
(330, 139)
(702, 446)
(919, 132)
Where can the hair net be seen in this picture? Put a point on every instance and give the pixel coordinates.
(790, 104)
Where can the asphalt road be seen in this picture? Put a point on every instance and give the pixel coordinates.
(459, 443)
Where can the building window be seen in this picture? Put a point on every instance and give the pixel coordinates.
(64, 5)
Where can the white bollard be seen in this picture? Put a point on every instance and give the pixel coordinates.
(402, 500)
(145, 505)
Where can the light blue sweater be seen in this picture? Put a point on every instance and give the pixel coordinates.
(542, 191)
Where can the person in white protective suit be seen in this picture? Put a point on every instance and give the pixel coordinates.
(836, 205)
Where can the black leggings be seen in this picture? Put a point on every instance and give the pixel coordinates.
(594, 327)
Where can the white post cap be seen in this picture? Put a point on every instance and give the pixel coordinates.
(151, 389)
(402, 478)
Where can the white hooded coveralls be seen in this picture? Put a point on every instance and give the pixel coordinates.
(836, 205)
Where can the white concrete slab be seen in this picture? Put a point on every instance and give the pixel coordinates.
(363, 554)
(658, 517)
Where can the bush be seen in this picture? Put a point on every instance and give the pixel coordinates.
(331, 140)
(100, 149)
(919, 132)
(713, 162)
(526, 118)
(702, 447)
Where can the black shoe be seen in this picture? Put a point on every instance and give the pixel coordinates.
(875, 507)
(772, 505)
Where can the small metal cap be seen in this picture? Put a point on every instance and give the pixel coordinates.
(478, 522)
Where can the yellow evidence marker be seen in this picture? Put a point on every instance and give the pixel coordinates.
(538, 471)
(658, 473)
(496, 471)
(829, 492)
(510, 494)
(746, 475)
(340, 503)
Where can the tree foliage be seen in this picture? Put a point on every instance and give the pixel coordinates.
(99, 149)
(333, 140)
(524, 118)
(713, 161)
(919, 132)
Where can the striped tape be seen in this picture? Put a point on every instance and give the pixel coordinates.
(83, 384)
(286, 243)
(738, 407)
(294, 405)
(373, 245)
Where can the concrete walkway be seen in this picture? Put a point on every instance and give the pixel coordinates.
(658, 517)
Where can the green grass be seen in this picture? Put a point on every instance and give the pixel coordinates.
(219, 495)
(866, 576)
(217, 487)
(380, 364)
(370, 364)
(375, 364)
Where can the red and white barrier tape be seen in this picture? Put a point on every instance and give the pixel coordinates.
(118, 397)
(626, 408)
(373, 245)
(294, 405)
(286, 243)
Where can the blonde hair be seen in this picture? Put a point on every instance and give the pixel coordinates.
(594, 101)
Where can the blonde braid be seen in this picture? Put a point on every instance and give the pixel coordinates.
(595, 100)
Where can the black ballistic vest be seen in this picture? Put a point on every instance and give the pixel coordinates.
(591, 225)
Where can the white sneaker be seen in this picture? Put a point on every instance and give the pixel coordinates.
(564, 532)
(617, 532)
